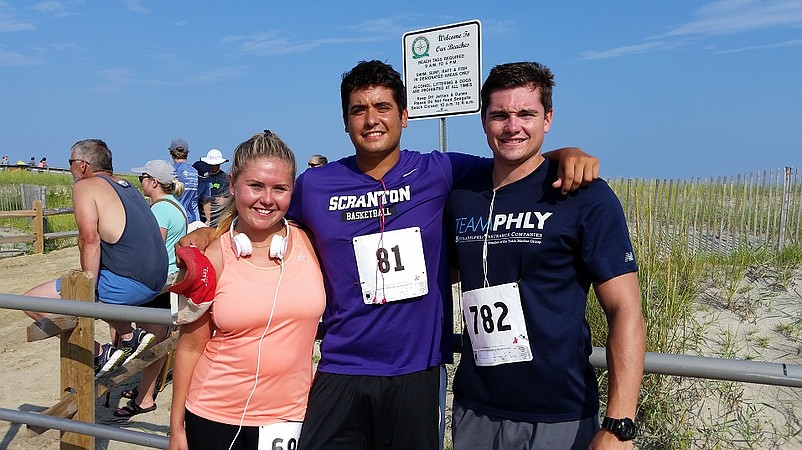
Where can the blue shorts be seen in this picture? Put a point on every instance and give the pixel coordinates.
(118, 290)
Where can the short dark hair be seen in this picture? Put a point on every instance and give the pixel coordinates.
(519, 74)
(367, 74)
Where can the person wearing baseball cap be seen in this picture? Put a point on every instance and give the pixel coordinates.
(179, 150)
(159, 182)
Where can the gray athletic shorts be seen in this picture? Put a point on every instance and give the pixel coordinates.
(471, 430)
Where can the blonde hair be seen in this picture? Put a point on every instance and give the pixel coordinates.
(174, 188)
(262, 145)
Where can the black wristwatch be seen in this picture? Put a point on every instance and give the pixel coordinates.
(624, 429)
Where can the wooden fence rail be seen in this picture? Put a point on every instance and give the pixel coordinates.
(716, 214)
(760, 209)
(39, 235)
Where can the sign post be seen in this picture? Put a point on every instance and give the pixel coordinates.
(442, 72)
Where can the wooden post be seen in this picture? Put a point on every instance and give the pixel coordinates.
(786, 201)
(39, 228)
(77, 359)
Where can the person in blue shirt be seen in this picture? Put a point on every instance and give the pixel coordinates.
(179, 150)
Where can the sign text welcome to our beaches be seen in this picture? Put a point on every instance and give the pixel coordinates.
(442, 70)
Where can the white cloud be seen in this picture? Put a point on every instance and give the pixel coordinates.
(388, 26)
(278, 43)
(50, 7)
(217, 75)
(119, 79)
(9, 21)
(166, 57)
(504, 28)
(64, 46)
(115, 80)
(136, 6)
(738, 16)
(720, 18)
(13, 59)
(622, 51)
(56, 8)
(784, 44)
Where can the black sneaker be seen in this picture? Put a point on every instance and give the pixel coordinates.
(137, 344)
(108, 359)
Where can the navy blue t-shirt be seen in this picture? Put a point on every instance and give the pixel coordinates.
(554, 246)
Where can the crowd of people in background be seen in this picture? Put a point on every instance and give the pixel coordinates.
(368, 254)
(5, 162)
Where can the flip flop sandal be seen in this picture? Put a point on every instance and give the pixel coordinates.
(132, 409)
(130, 393)
(134, 393)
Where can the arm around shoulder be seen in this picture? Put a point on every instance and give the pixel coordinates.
(577, 168)
(200, 238)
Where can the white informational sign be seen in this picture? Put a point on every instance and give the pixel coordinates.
(442, 70)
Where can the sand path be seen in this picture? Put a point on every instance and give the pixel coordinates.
(29, 371)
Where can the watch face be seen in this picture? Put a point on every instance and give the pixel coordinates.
(626, 429)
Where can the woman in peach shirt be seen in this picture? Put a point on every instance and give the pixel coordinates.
(243, 370)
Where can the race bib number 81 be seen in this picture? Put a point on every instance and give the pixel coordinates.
(495, 322)
(391, 265)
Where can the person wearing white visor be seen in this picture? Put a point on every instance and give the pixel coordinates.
(217, 180)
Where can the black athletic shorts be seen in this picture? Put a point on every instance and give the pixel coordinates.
(360, 412)
(205, 434)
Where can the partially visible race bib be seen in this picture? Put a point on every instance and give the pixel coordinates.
(495, 322)
(391, 265)
(280, 436)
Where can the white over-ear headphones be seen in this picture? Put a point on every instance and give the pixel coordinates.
(242, 245)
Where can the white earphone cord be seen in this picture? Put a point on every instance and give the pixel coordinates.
(484, 241)
(259, 352)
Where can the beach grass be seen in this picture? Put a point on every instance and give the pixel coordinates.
(58, 194)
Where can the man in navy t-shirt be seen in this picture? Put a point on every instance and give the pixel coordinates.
(377, 222)
(527, 257)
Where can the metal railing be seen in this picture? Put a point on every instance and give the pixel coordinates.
(93, 429)
(759, 372)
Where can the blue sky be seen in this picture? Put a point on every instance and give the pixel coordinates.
(672, 89)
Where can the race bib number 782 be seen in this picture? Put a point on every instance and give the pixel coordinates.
(495, 323)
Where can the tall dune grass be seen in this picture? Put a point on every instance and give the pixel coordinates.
(673, 272)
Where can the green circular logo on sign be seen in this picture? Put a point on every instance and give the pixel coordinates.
(420, 47)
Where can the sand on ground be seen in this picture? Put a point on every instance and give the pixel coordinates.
(29, 370)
